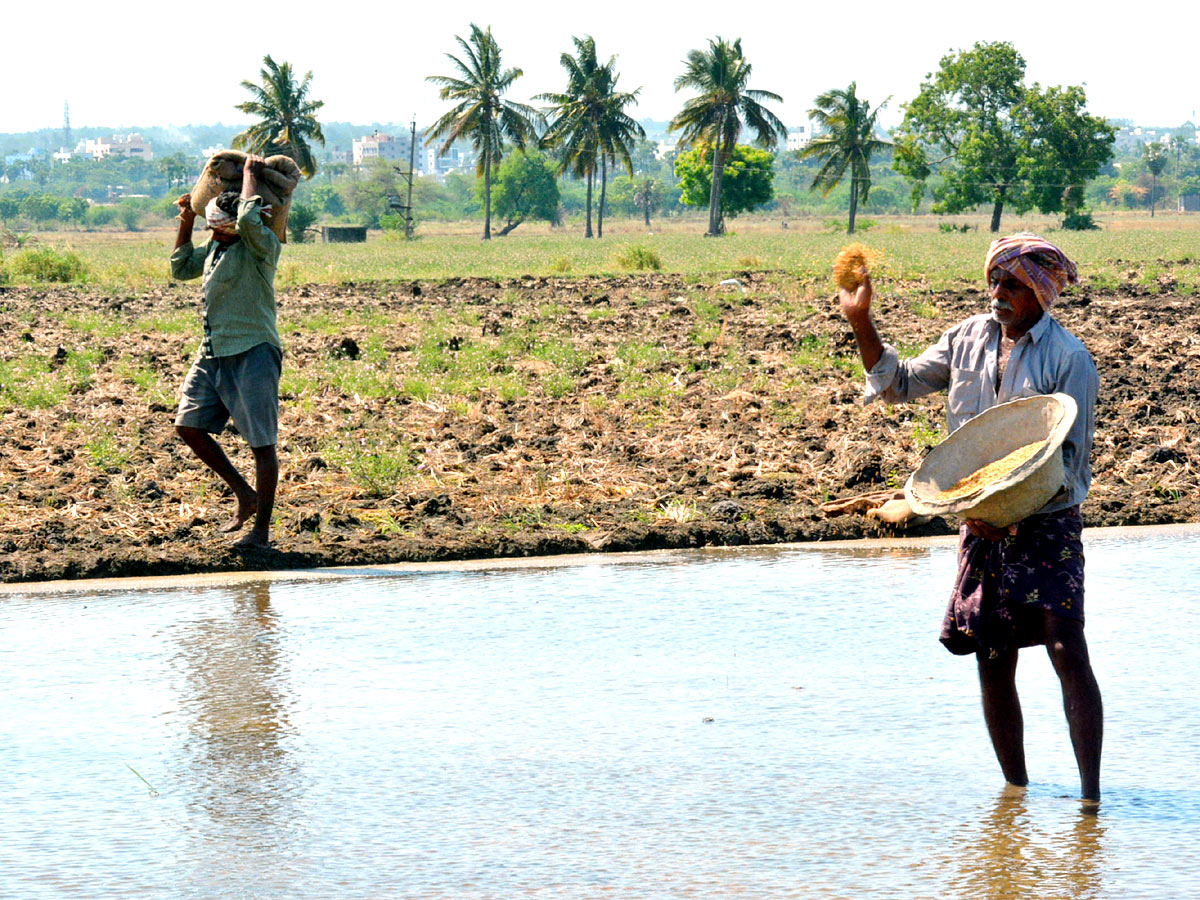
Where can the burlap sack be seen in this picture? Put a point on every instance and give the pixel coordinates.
(279, 178)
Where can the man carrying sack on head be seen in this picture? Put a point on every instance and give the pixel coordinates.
(1022, 585)
(236, 372)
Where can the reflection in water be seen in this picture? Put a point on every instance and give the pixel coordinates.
(235, 699)
(1015, 856)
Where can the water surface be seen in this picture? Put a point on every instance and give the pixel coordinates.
(755, 723)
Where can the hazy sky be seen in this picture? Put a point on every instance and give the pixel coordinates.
(138, 63)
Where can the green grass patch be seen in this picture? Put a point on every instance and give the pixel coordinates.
(47, 264)
(108, 453)
(378, 463)
(639, 258)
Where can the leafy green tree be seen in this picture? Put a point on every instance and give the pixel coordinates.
(480, 111)
(847, 143)
(176, 168)
(749, 175)
(10, 208)
(72, 209)
(40, 207)
(301, 217)
(287, 118)
(715, 117)
(325, 199)
(525, 188)
(367, 190)
(588, 122)
(990, 139)
(1063, 149)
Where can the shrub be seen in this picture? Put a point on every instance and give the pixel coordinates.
(300, 219)
(1079, 221)
(47, 264)
(636, 257)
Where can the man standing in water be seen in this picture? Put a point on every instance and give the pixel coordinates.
(1022, 585)
(236, 372)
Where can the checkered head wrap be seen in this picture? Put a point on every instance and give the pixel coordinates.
(218, 219)
(1035, 262)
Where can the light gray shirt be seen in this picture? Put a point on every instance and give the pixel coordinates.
(1048, 359)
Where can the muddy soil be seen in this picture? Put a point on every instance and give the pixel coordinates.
(687, 414)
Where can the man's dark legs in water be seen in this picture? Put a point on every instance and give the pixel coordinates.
(1082, 704)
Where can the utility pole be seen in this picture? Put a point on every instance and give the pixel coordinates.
(394, 202)
(67, 126)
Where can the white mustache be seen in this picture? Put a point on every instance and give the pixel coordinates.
(1003, 305)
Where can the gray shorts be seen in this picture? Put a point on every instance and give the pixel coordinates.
(244, 387)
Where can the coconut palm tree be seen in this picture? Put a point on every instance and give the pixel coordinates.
(619, 132)
(588, 123)
(724, 105)
(480, 112)
(287, 118)
(848, 143)
(1156, 163)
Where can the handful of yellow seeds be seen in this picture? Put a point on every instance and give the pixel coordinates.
(852, 258)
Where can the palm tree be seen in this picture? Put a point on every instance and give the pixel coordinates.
(717, 115)
(287, 117)
(1156, 162)
(618, 134)
(848, 143)
(480, 112)
(588, 121)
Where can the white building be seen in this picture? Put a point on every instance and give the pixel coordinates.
(432, 162)
(378, 146)
(800, 136)
(129, 146)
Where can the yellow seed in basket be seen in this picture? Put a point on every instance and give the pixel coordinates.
(992, 472)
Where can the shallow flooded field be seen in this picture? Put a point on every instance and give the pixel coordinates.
(714, 724)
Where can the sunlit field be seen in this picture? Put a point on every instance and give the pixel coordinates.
(1126, 250)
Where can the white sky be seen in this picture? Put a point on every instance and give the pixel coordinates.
(141, 63)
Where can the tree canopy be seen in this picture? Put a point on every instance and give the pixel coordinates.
(848, 143)
(715, 116)
(988, 138)
(748, 178)
(525, 188)
(287, 118)
(480, 111)
(588, 122)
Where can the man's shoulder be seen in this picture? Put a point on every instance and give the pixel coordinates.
(981, 323)
(1064, 340)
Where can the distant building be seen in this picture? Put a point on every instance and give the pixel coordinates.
(129, 146)
(800, 136)
(378, 146)
(432, 162)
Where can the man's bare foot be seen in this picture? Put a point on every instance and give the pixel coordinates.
(255, 539)
(246, 508)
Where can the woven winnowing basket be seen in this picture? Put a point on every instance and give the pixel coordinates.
(986, 438)
(279, 178)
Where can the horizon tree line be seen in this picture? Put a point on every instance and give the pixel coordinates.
(975, 129)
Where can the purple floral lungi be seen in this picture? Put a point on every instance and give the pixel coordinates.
(1003, 586)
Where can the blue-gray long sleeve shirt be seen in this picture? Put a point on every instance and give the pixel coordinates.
(1048, 359)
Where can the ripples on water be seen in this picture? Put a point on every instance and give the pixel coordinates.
(713, 725)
